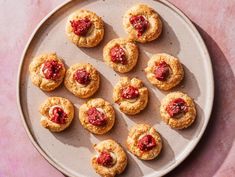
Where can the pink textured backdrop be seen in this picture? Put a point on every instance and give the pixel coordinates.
(214, 155)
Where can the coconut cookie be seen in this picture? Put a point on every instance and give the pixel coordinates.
(47, 71)
(144, 142)
(82, 80)
(131, 95)
(110, 160)
(57, 114)
(164, 71)
(84, 28)
(97, 116)
(121, 54)
(178, 110)
(142, 23)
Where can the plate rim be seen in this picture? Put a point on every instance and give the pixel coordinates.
(186, 152)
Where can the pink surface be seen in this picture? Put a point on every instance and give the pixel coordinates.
(214, 155)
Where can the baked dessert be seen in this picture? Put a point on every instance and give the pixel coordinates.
(57, 113)
(131, 95)
(164, 71)
(121, 54)
(144, 142)
(110, 160)
(82, 80)
(47, 71)
(178, 110)
(142, 23)
(84, 28)
(97, 116)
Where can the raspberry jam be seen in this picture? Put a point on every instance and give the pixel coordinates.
(139, 23)
(105, 159)
(162, 71)
(117, 54)
(176, 107)
(146, 143)
(51, 69)
(81, 27)
(95, 117)
(82, 77)
(58, 115)
(130, 92)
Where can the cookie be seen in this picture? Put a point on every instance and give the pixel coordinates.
(121, 54)
(110, 160)
(97, 116)
(84, 28)
(178, 110)
(57, 113)
(47, 71)
(164, 71)
(82, 80)
(131, 95)
(144, 142)
(142, 23)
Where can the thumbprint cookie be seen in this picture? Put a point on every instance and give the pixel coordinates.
(82, 80)
(97, 116)
(178, 110)
(142, 23)
(47, 71)
(121, 54)
(84, 28)
(57, 114)
(144, 142)
(110, 160)
(164, 71)
(131, 95)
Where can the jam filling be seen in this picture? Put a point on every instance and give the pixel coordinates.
(51, 69)
(105, 159)
(130, 92)
(117, 54)
(162, 71)
(146, 143)
(139, 23)
(81, 27)
(95, 117)
(58, 115)
(82, 77)
(176, 107)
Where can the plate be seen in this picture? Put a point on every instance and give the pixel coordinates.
(71, 150)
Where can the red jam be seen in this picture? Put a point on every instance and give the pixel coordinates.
(105, 159)
(162, 71)
(81, 27)
(82, 77)
(130, 92)
(146, 143)
(139, 23)
(51, 69)
(58, 115)
(117, 54)
(176, 107)
(95, 117)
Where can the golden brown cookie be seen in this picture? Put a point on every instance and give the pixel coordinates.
(57, 113)
(121, 54)
(144, 142)
(131, 95)
(164, 71)
(178, 110)
(142, 23)
(97, 116)
(47, 71)
(84, 28)
(110, 160)
(82, 80)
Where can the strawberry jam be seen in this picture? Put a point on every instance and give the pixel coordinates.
(81, 27)
(51, 69)
(105, 159)
(117, 54)
(58, 115)
(162, 71)
(139, 23)
(130, 92)
(146, 143)
(82, 77)
(176, 107)
(95, 117)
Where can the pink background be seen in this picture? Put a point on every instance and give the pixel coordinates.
(214, 155)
